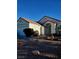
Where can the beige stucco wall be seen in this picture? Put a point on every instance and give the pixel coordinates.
(53, 28)
(36, 27)
(42, 30)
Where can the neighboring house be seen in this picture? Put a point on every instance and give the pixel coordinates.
(46, 26)
(23, 23)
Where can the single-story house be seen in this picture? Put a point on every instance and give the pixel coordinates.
(46, 25)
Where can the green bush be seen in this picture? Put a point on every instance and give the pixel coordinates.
(28, 32)
(36, 33)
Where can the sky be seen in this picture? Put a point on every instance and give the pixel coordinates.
(36, 9)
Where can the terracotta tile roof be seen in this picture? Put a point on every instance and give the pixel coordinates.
(53, 19)
(28, 20)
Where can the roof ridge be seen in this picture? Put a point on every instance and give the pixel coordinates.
(49, 17)
(52, 18)
(29, 20)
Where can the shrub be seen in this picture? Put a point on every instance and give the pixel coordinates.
(28, 32)
(36, 33)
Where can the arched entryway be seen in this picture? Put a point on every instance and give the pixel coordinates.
(47, 29)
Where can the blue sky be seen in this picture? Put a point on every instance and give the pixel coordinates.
(36, 9)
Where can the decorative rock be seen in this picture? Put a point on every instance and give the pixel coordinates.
(36, 52)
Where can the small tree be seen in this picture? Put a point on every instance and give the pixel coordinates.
(28, 32)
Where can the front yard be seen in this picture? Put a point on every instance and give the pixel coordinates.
(39, 48)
